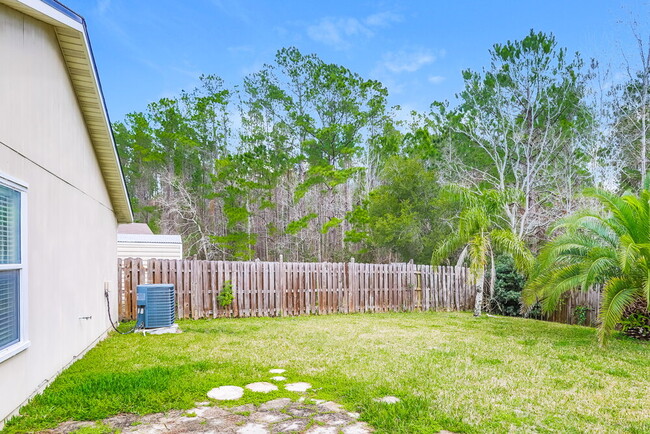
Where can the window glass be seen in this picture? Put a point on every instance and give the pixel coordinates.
(9, 307)
(9, 226)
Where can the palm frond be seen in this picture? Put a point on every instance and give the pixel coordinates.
(447, 248)
(506, 241)
(618, 293)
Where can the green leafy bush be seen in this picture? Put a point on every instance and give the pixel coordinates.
(636, 320)
(225, 296)
(507, 289)
(580, 312)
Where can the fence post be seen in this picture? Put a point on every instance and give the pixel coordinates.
(351, 284)
(283, 285)
(120, 289)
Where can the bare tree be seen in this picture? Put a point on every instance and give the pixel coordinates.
(631, 111)
(523, 115)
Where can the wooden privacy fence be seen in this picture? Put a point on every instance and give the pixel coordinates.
(589, 300)
(296, 288)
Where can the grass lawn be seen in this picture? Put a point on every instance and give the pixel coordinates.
(451, 371)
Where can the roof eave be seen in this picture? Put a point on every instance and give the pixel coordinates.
(77, 52)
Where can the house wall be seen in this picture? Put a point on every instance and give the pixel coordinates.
(71, 226)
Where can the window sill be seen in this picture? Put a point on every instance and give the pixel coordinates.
(13, 350)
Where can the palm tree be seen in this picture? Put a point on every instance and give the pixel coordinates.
(481, 230)
(611, 248)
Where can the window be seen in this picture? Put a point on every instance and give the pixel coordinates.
(13, 333)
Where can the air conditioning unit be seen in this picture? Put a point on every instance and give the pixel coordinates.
(156, 305)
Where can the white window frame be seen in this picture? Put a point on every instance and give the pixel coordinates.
(23, 342)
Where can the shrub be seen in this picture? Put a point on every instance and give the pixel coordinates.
(580, 312)
(225, 296)
(636, 320)
(507, 288)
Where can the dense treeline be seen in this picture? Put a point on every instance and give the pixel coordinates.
(305, 158)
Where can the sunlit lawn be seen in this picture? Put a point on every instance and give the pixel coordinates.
(450, 370)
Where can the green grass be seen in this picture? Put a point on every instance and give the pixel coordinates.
(451, 371)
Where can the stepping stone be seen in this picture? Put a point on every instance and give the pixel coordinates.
(210, 412)
(169, 417)
(121, 420)
(302, 411)
(226, 393)
(353, 414)
(330, 407)
(333, 419)
(253, 428)
(246, 408)
(227, 424)
(262, 387)
(269, 416)
(291, 425)
(298, 387)
(278, 378)
(323, 430)
(156, 428)
(277, 371)
(388, 399)
(275, 404)
(71, 426)
(357, 428)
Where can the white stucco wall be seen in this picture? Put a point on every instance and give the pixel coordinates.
(71, 226)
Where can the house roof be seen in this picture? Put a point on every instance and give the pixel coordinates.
(134, 228)
(75, 46)
(148, 239)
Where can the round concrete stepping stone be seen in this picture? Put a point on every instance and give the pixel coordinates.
(278, 371)
(278, 378)
(253, 428)
(262, 387)
(297, 387)
(226, 393)
(388, 399)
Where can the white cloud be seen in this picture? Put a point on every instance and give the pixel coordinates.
(340, 31)
(336, 31)
(382, 19)
(436, 79)
(407, 60)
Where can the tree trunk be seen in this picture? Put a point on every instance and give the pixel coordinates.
(479, 295)
(461, 258)
(493, 275)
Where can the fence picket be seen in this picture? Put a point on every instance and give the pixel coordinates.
(292, 288)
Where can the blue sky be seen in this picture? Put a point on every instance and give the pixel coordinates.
(147, 49)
